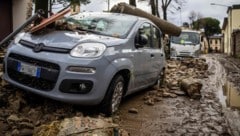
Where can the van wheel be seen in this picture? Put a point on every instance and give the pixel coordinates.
(113, 96)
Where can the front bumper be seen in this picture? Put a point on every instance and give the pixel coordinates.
(175, 54)
(55, 80)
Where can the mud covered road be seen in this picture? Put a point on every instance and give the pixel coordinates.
(165, 111)
(181, 115)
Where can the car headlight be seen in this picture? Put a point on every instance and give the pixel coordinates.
(88, 50)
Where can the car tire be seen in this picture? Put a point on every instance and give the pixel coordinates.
(113, 97)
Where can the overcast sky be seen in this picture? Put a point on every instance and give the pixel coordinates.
(201, 6)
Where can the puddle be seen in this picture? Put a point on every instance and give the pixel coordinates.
(230, 96)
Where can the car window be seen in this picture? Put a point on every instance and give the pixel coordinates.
(156, 38)
(145, 30)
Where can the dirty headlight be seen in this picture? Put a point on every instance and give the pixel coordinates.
(88, 50)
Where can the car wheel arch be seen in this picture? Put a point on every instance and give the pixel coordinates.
(122, 75)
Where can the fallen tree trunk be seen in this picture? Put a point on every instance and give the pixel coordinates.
(166, 27)
(192, 87)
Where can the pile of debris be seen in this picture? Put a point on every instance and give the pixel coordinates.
(81, 126)
(182, 77)
(185, 75)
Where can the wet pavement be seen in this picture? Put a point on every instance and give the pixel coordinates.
(230, 96)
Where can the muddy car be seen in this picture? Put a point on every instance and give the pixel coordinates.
(103, 58)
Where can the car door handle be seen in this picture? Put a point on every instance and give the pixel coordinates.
(152, 55)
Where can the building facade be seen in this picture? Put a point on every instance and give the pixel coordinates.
(225, 29)
(14, 13)
(236, 43)
(215, 43)
(231, 23)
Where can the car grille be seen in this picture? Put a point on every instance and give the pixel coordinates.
(43, 83)
(43, 47)
(184, 53)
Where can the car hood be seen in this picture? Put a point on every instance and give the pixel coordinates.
(68, 39)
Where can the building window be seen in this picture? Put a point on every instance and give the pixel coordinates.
(216, 41)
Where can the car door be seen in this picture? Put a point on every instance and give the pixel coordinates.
(142, 58)
(157, 54)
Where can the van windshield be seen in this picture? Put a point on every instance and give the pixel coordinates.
(110, 25)
(186, 38)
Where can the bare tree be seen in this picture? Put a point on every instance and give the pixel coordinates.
(192, 16)
(199, 15)
(165, 4)
(157, 8)
(178, 4)
(154, 7)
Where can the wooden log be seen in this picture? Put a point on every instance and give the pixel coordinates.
(166, 27)
(192, 87)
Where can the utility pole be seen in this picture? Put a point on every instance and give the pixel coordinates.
(219, 4)
(179, 8)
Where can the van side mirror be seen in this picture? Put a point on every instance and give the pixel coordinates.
(141, 41)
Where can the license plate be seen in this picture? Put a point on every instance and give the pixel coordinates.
(29, 69)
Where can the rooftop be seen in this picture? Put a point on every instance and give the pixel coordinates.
(233, 7)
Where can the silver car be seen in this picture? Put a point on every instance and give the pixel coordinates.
(104, 58)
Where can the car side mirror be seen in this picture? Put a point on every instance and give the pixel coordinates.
(141, 41)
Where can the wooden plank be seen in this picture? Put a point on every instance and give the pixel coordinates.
(50, 20)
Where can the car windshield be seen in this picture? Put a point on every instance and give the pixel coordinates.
(105, 24)
(186, 38)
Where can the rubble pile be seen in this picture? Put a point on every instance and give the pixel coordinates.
(185, 75)
(182, 77)
(24, 114)
(80, 126)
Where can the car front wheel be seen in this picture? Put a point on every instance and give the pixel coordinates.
(114, 95)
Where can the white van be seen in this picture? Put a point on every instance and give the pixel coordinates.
(185, 45)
